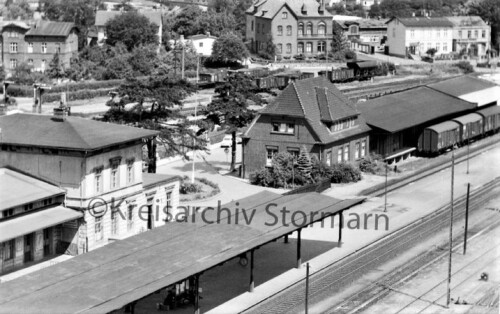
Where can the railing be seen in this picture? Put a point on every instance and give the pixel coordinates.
(302, 36)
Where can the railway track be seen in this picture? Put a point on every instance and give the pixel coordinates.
(336, 276)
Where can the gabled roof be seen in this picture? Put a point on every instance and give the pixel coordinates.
(73, 133)
(269, 8)
(19, 24)
(406, 109)
(462, 85)
(51, 29)
(102, 17)
(17, 189)
(423, 21)
(467, 21)
(201, 36)
(318, 101)
(364, 23)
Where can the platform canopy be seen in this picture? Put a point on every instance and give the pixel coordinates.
(119, 273)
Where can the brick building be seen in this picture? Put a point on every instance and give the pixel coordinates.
(37, 43)
(312, 113)
(296, 27)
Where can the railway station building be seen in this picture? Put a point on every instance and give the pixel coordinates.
(98, 166)
(310, 113)
(398, 119)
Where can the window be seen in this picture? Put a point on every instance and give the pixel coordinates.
(289, 30)
(294, 152)
(13, 47)
(309, 47)
(47, 201)
(284, 15)
(114, 221)
(309, 29)
(9, 249)
(301, 29)
(28, 207)
(130, 218)
(169, 201)
(300, 48)
(98, 180)
(445, 47)
(30, 47)
(476, 34)
(279, 47)
(469, 34)
(8, 212)
(44, 62)
(283, 127)
(280, 30)
(354, 29)
(363, 148)
(322, 29)
(483, 34)
(356, 151)
(328, 158)
(13, 63)
(114, 176)
(321, 46)
(271, 151)
(288, 48)
(251, 27)
(459, 34)
(446, 33)
(200, 44)
(412, 33)
(258, 28)
(438, 33)
(130, 172)
(13, 34)
(44, 47)
(438, 46)
(30, 62)
(339, 155)
(346, 153)
(98, 229)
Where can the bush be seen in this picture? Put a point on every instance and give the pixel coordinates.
(266, 55)
(345, 173)
(189, 188)
(262, 177)
(83, 94)
(351, 55)
(371, 164)
(465, 66)
(27, 91)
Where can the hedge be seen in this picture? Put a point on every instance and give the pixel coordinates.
(82, 94)
(27, 91)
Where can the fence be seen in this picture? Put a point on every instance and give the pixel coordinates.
(316, 187)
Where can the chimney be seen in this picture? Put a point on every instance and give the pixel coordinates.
(208, 34)
(321, 8)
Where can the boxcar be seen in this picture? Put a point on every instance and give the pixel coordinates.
(491, 119)
(439, 137)
(471, 126)
(363, 69)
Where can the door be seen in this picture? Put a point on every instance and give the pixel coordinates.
(28, 247)
(47, 237)
(150, 213)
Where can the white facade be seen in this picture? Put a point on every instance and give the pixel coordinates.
(403, 40)
(202, 44)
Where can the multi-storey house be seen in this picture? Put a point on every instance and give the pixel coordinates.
(99, 165)
(416, 35)
(368, 31)
(37, 43)
(471, 36)
(310, 113)
(295, 27)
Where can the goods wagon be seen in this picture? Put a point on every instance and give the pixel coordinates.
(471, 126)
(439, 137)
(491, 119)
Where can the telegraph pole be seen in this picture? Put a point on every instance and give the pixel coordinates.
(182, 62)
(466, 218)
(448, 297)
(385, 194)
(307, 289)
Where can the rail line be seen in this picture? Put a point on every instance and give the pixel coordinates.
(336, 275)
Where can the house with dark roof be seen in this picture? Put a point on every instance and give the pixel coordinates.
(398, 119)
(367, 31)
(35, 225)
(37, 43)
(99, 165)
(103, 16)
(310, 113)
(416, 35)
(296, 26)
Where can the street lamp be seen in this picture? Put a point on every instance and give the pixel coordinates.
(451, 226)
(385, 194)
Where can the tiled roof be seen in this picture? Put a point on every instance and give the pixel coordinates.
(423, 21)
(48, 28)
(409, 108)
(102, 17)
(152, 179)
(467, 21)
(364, 23)
(462, 85)
(17, 189)
(73, 133)
(269, 8)
(319, 101)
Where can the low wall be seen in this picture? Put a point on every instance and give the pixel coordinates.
(316, 187)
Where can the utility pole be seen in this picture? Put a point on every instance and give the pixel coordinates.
(182, 62)
(307, 289)
(468, 149)
(385, 194)
(448, 297)
(466, 218)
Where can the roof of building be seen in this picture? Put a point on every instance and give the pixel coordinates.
(269, 8)
(31, 222)
(113, 276)
(201, 36)
(467, 21)
(73, 133)
(364, 23)
(51, 29)
(20, 24)
(318, 101)
(423, 21)
(444, 126)
(17, 189)
(102, 17)
(406, 109)
(153, 179)
(462, 85)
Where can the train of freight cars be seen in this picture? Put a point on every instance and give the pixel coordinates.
(459, 131)
(267, 79)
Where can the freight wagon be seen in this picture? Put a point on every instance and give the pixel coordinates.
(471, 126)
(439, 137)
(491, 119)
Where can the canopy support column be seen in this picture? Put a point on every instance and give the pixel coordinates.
(299, 256)
(341, 223)
(197, 294)
(252, 281)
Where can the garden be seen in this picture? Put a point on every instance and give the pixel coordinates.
(201, 189)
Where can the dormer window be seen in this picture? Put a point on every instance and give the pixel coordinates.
(342, 124)
(353, 29)
(283, 127)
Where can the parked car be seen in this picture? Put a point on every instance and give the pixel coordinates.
(228, 140)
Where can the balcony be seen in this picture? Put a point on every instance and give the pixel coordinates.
(319, 36)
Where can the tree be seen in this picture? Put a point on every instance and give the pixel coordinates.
(17, 10)
(230, 108)
(304, 164)
(81, 12)
(229, 48)
(192, 21)
(431, 52)
(390, 8)
(488, 10)
(270, 51)
(56, 67)
(132, 29)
